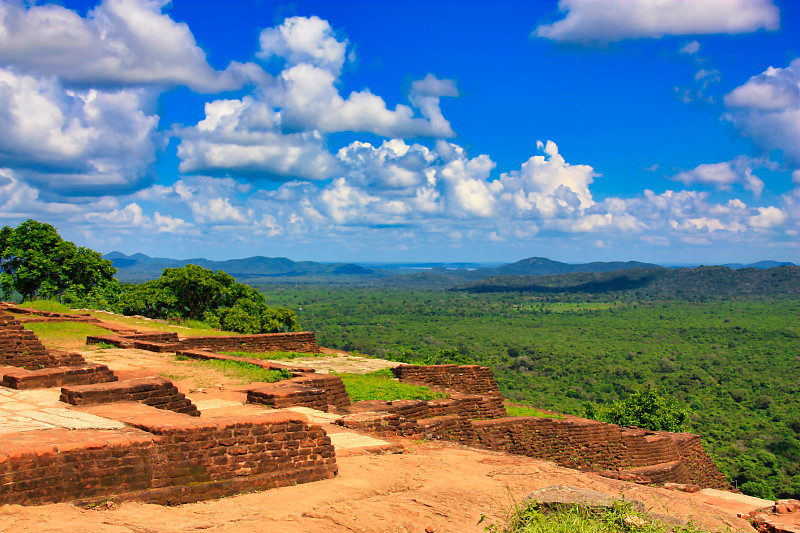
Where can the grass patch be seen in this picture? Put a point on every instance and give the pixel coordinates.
(188, 328)
(271, 356)
(380, 385)
(620, 518)
(185, 328)
(242, 372)
(46, 305)
(60, 334)
(525, 410)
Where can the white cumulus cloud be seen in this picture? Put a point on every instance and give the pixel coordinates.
(614, 20)
(120, 42)
(240, 137)
(75, 141)
(723, 175)
(304, 40)
(768, 217)
(767, 109)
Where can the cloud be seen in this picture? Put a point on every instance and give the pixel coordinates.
(723, 175)
(310, 100)
(767, 109)
(548, 183)
(119, 43)
(19, 200)
(240, 137)
(304, 40)
(768, 217)
(280, 130)
(691, 48)
(588, 21)
(75, 142)
(132, 217)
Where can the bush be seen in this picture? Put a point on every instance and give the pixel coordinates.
(195, 293)
(644, 408)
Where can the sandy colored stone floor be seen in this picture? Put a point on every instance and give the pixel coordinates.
(443, 486)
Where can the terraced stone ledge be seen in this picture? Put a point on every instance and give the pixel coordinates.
(163, 457)
(155, 392)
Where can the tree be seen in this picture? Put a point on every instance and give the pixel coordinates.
(36, 261)
(644, 408)
(194, 292)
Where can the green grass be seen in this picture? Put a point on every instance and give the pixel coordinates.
(61, 333)
(243, 372)
(524, 410)
(271, 356)
(186, 328)
(380, 385)
(189, 328)
(46, 305)
(620, 518)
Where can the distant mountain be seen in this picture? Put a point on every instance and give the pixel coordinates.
(711, 281)
(760, 264)
(140, 267)
(540, 266)
(440, 276)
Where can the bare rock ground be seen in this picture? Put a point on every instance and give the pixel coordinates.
(443, 486)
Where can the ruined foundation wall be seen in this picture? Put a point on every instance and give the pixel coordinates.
(471, 379)
(20, 347)
(168, 458)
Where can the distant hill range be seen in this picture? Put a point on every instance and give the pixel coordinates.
(760, 264)
(659, 282)
(139, 267)
(534, 273)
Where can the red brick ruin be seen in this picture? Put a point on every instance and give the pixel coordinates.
(167, 454)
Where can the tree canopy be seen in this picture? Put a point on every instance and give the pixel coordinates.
(644, 408)
(196, 293)
(36, 262)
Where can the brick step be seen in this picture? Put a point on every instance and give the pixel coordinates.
(155, 392)
(58, 376)
(287, 394)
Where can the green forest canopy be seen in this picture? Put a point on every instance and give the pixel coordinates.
(36, 262)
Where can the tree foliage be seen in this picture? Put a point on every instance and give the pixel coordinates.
(36, 262)
(194, 292)
(644, 408)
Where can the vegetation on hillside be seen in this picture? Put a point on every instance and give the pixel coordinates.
(733, 362)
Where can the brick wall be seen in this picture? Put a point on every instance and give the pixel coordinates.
(471, 379)
(572, 442)
(303, 341)
(20, 347)
(21, 378)
(315, 391)
(168, 458)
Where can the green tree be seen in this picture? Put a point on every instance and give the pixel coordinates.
(194, 292)
(36, 261)
(644, 408)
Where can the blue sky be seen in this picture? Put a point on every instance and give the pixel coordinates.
(580, 130)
